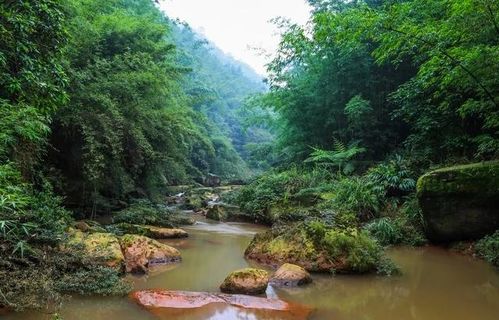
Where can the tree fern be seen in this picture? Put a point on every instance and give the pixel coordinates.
(341, 156)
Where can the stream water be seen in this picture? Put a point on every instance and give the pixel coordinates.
(435, 285)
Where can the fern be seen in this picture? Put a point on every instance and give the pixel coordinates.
(341, 156)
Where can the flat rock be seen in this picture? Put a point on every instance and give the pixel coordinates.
(165, 233)
(141, 252)
(246, 281)
(162, 302)
(290, 275)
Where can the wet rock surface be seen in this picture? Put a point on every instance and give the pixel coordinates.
(141, 252)
(290, 275)
(162, 303)
(246, 281)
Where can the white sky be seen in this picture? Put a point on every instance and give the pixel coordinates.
(237, 26)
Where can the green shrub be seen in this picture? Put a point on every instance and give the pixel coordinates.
(386, 231)
(393, 231)
(287, 189)
(28, 216)
(42, 283)
(316, 230)
(356, 194)
(319, 247)
(361, 252)
(393, 177)
(146, 213)
(97, 280)
(411, 211)
(488, 248)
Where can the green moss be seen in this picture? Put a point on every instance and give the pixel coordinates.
(316, 247)
(248, 272)
(477, 178)
(460, 202)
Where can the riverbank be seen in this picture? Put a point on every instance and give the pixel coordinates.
(434, 282)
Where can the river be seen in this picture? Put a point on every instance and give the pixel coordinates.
(436, 285)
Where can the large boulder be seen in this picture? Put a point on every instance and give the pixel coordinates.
(290, 275)
(168, 304)
(246, 281)
(317, 248)
(223, 212)
(212, 180)
(460, 202)
(103, 248)
(141, 252)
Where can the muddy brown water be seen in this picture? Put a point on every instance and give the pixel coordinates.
(435, 285)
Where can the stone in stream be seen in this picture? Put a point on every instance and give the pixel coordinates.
(141, 252)
(290, 275)
(246, 281)
(167, 304)
(294, 244)
(151, 231)
(165, 233)
(460, 202)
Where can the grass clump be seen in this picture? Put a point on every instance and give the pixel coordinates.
(43, 280)
(488, 248)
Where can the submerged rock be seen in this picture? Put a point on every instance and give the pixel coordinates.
(103, 248)
(141, 252)
(246, 281)
(290, 275)
(164, 303)
(460, 202)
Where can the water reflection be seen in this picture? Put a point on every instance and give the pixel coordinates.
(435, 285)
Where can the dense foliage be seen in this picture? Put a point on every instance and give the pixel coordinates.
(135, 121)
(367, 96)
(105, 103)
(102, 102)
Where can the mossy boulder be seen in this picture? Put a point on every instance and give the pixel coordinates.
(246, 281)
(222, 212)
(317, 248)
(460, 202)
(165, 233)
(103, 248)
(141, 252)
(290, 275)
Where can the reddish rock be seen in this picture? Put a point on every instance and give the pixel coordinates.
(141, 252)
(165, 303)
